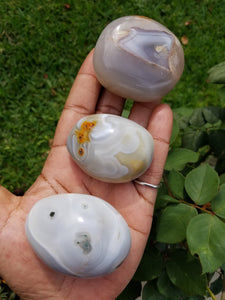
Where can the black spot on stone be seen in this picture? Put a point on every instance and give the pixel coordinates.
(52, 214)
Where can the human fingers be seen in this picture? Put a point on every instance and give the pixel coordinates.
(141, 112)
(81, 101)
(110, 103)
(160, 127)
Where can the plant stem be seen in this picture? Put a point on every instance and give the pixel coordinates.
(211, 293)
(196, 206)
(167, 186)
(185, 202)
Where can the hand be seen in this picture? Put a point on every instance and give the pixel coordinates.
(19, 266)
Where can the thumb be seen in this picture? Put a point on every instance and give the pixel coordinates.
(8, 204)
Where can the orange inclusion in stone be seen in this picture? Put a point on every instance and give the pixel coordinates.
(84, 132)
(81, 151)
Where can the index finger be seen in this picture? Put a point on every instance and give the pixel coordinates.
(81, 101)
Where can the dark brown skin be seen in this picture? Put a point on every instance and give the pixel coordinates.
(19, 266)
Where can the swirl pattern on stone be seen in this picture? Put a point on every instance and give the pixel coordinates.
(111, 148)
(138, 58)
(78, 235)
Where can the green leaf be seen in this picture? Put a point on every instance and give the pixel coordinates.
(185, 272)
(183, 121)
(172, 224)
(202, 184)
(160, 202)
(175, 132)
(163, 200)
(205, 234)
(222, 178)
(212, 114)
(131, 292)
(204, 151)
(183, 111)
(178, 158)
(167, 288)
(168, 199)
(176, 183)
(218, 203)
(194, 139)
(197, 118)
(150, 292)
(150, 266)
(217, 73)
(217, 141)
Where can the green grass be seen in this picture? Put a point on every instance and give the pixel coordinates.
(42, 45)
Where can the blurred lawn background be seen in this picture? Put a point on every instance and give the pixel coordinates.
(42, 45)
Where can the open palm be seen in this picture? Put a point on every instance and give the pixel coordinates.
(19, 266)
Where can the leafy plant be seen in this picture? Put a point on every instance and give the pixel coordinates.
(217, 73)
(186, 246)
(6, 293)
